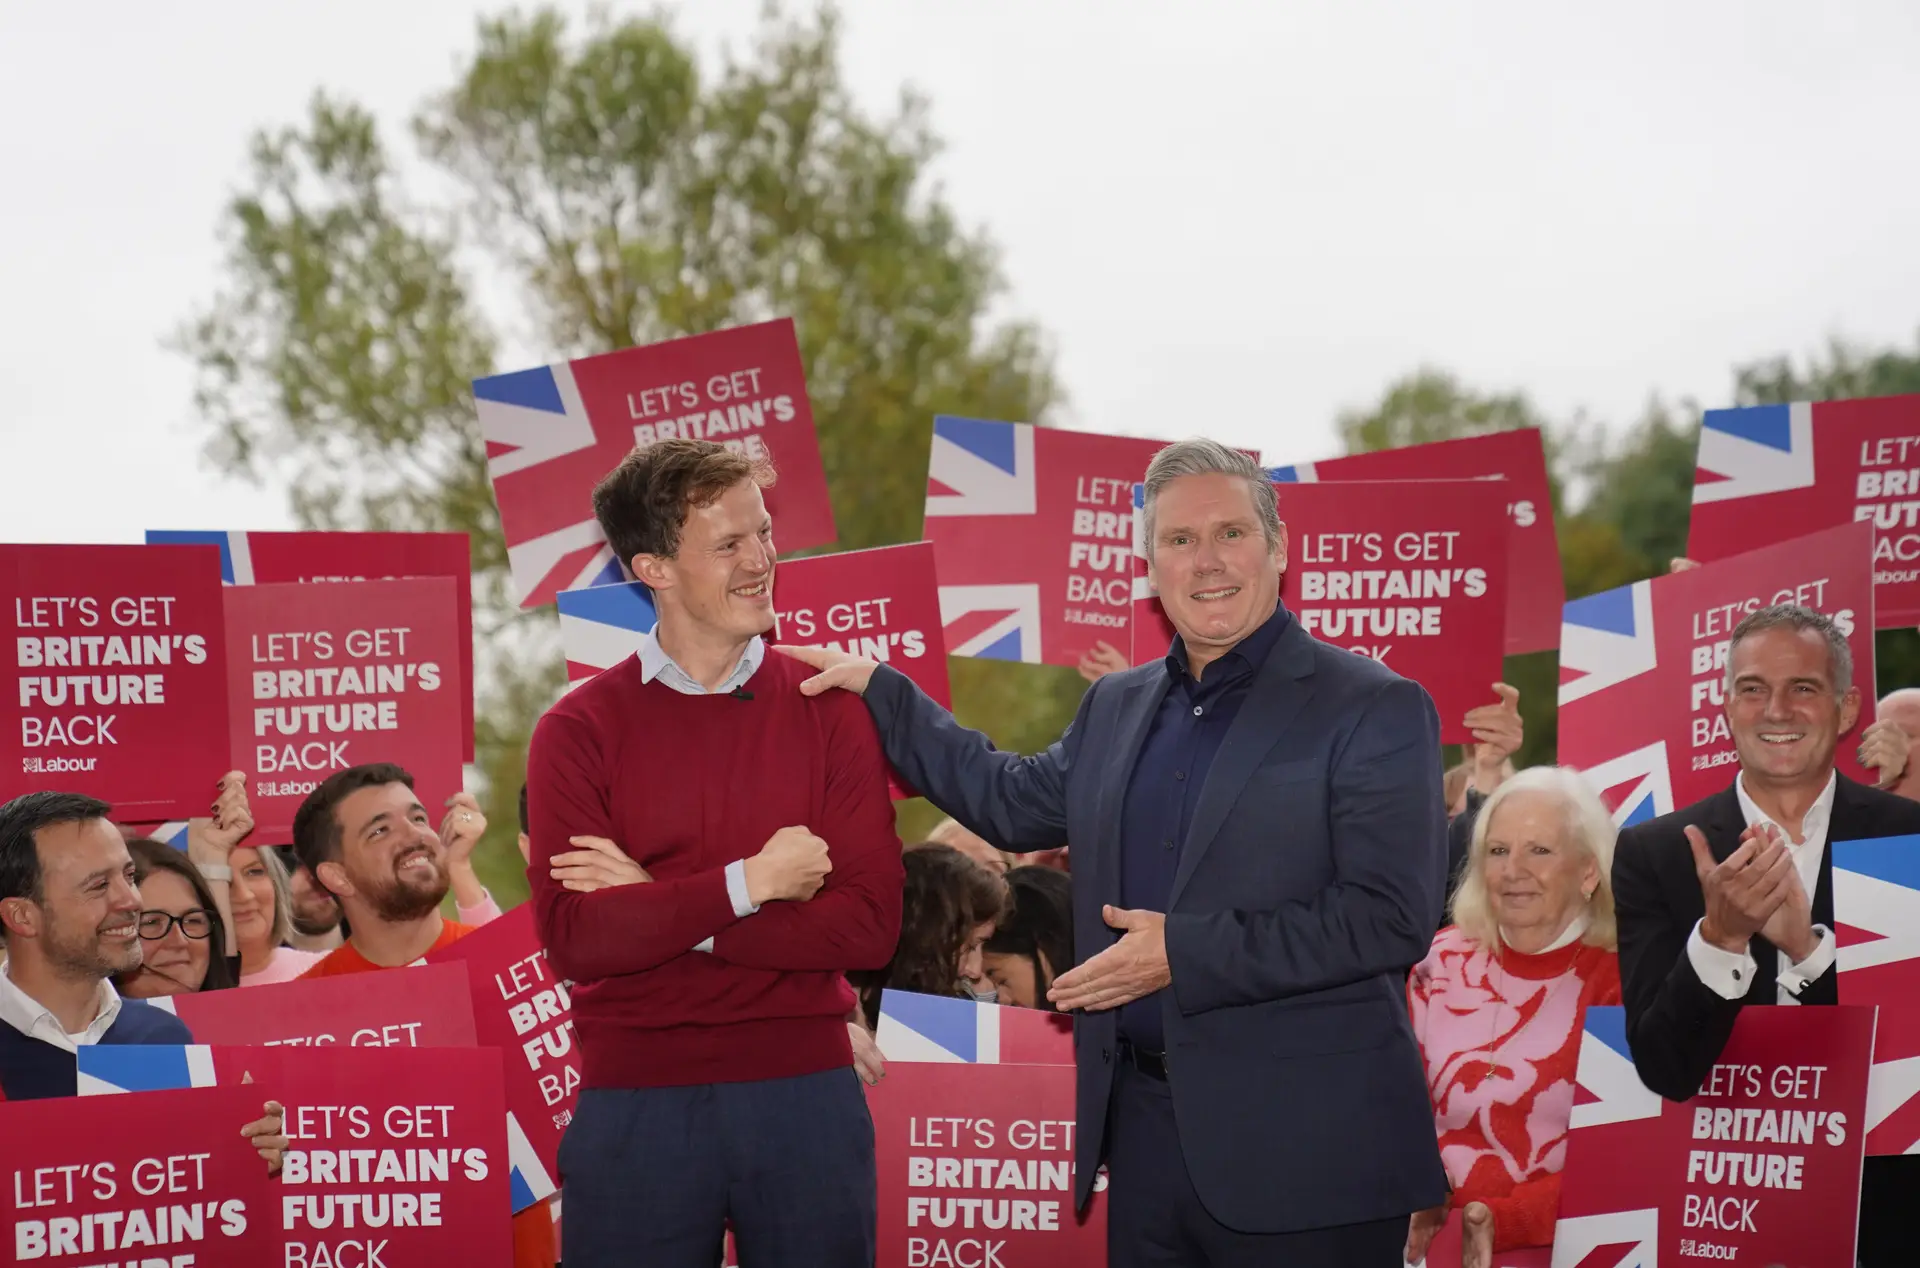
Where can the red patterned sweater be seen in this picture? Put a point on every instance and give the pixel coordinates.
(1501, 1041)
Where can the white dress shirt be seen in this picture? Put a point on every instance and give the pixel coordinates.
(656, 664)
(1729, 974)
(34, 1020)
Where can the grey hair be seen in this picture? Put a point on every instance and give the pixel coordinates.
(1587, 827)
(282, 923)
(1199, 456)
(1799, 619)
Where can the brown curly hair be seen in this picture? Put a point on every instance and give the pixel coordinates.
(642, 504)
(947, 897)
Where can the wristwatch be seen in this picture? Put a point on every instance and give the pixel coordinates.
(215, 871)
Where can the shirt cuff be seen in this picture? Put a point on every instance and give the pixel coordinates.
(743, 905)
(486, 912)
(705, 945)
(1818, 961)
(1723, 972)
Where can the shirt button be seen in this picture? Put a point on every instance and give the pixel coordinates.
(1179, 774)
(1736, 975)
(1197, 711)
(1168, 843)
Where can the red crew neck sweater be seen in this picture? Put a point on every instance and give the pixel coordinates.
(686, 785)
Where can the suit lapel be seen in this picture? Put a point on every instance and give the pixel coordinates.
(1133, 719)
(1282, 686)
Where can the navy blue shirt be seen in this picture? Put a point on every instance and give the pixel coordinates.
(1180, 746)
(31, 1070)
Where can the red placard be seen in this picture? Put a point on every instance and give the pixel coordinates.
(553, 432)
(1643, 667)
(1535, 587)
(248, 558)
(1032, 529)
(1769, 473)
(522, 1008)
(976, 1167)
(85, 1186)
(119, 685)
(425, 1007)
(1412, 573)
(323, 677)
(1761, 1168)
(883, 604)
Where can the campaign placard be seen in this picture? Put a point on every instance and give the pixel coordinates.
(523, 1008)
(916, 1027)
(1876, 908)
(1761, 1168)
(976, 1166)
(1535, 587)
(1643, 667)
(396, 1157)
(553, 432)
(119, 686)
(85, 1187)
(881, 603)
(426, 1007)
(1767, 473)
(323, 677)
(1032, 529)
(1412, 573)
(249, 558)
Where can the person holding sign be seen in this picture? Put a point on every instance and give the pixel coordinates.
(1729, 901)
(1259, 854)
(711, 1005)
(71, 916)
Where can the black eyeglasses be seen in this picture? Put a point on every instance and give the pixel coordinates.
(155, 925)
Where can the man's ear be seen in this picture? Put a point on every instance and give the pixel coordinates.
(21, 916)
(654, 570)
(1280, 549)
(333, 878)
(1849, 709)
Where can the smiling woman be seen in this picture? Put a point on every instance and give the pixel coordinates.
(180, 937)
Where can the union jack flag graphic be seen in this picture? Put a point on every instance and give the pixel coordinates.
(552, 432)
(1606, 639)
(935, 1028)
(173, 833)
(603, 625)
(1608, 1091)
(1876, 900)
(1748, 452)
(981, 468)
(1635, 786)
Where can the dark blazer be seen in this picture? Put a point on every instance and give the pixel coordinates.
(1310, 879)
(1677, 1025)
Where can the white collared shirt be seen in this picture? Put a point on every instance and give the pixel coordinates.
(655, 663)
(1576, 929)
(34, 1020)
(1729, 974)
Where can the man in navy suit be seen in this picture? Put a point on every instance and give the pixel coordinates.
(1259, 847)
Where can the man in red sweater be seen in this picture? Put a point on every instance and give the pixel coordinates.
(710, 1002)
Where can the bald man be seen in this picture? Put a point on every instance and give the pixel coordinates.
(1887, 745)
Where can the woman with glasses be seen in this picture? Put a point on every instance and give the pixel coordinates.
(182, 942)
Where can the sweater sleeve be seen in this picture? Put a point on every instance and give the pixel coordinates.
(854, 921)
(625, 929)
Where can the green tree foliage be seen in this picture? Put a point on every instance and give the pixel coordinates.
(603, 189)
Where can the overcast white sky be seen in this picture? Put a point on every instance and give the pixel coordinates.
(1234, 218)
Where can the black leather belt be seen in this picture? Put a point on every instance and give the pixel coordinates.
(1145, 1060)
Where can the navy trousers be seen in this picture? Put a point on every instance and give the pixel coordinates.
(650, 1176)
(1156, 1220)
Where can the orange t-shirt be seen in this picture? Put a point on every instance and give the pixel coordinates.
(533, 1240)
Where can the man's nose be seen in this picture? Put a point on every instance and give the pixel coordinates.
(123, 895)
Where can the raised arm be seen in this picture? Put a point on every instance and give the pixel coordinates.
(625, 929)
(1017, 803)
(854, 921)
(1378, 916)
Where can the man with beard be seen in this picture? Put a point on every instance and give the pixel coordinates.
(71, 917)
(367, 839)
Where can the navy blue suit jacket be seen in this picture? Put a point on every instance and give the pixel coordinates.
(1310, 881)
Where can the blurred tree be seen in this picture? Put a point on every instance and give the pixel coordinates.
(604, 190)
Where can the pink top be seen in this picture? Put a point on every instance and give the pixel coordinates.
(288, 963)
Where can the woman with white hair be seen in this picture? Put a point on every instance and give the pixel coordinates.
(1500, 1002)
